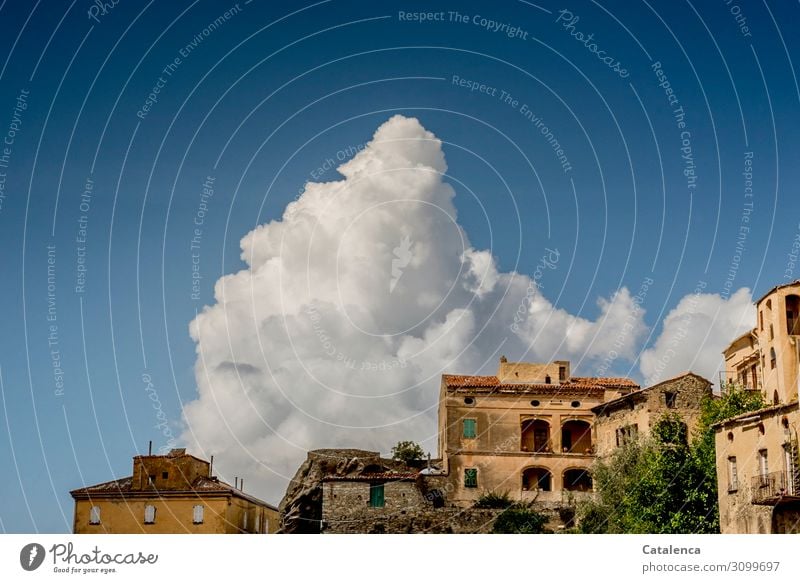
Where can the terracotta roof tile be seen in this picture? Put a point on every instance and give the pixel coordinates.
(492, 384)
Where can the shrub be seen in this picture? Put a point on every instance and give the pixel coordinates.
(519, 519)
(494, 500)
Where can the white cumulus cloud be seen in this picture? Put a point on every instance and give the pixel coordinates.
(695, 333)
(353, 304)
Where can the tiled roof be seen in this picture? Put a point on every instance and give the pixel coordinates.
(610, 382)
(201, 485)
(492, 384)
(384, 476)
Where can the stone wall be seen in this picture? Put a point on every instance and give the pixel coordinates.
(645, 407)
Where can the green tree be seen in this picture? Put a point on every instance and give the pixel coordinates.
(666, 483)
(407, 451)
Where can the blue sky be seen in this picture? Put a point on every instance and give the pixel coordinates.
(280, 94)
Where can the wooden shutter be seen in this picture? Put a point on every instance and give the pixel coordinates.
(471, 477)
(470, 428)
(197, 514)
(376, 499)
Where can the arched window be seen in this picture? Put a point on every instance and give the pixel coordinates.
(535, 436)
(537, 479)
(576, 437)
(775, 399)
(772, 358)
(577, 480)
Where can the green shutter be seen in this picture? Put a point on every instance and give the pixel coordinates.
(470, 428)
(471, 478)
(376, 495)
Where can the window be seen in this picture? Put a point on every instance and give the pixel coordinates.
(535, 403)
(771, 332)
(258, 522)
(761, 321)
(94, 515)
(149, 514)
(575, 404)
(469, 401)
(627, 434)
(547, 380)
(164, 475)
(772, 358)
(376, 496)
(244, 520)
(562, 373)
(471, 478)
(763, 467)
(470, 428)
(733, 476)
(266, 526)
(152, 479)
(197, 514)
(671, 399)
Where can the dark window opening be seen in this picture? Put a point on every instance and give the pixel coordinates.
(164, 475)
(537, 479)
(671, 399)
(562, 373)
(469, 401)
(547, 380)
(535, 403)
(575, 404)
(536, 436)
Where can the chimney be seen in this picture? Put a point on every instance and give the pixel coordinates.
(150, 448)
(241, 485)
(211, 467)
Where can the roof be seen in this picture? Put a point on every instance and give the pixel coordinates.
(757, 413)
(776, 288)
(641, 392)
(373, 477)
(201, 486)
(491, 384)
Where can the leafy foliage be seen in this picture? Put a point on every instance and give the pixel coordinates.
(494, 500)
(667, 483)
(407, 451)
(519, 518)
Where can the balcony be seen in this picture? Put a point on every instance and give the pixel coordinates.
(774, 488)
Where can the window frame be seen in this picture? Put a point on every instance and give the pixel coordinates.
(469, 422)
(198, 509)
(470, 477)
(150, 513)
(377, 495)
(95, 515)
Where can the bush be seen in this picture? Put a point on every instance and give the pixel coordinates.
(519, 519)
(494, 500)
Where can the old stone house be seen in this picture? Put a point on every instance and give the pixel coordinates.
(633, 414)
(758, 463)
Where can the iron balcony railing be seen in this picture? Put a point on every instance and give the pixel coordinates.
(772, 487)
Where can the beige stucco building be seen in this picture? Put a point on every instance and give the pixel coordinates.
(170, 494)
(757, 453)
(533, 430)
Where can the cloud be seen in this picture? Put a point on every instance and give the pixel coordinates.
(695, 333)
(354, 303)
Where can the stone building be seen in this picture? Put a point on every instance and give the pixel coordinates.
(633, 414)
(757, 452)
(170, 494)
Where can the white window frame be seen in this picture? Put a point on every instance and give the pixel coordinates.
(244, 520)
(198, 514)
(149, 514)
